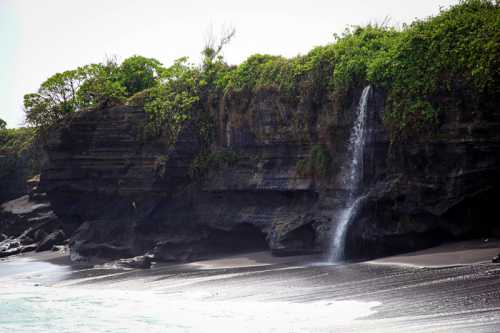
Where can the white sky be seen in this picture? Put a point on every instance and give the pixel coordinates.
(41, 37)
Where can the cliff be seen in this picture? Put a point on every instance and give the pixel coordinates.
(130, 196)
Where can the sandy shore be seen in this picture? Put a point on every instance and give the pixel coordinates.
(446, 255)
(451, 254)
(450, 288)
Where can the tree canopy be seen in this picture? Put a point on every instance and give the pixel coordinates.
(89, 86)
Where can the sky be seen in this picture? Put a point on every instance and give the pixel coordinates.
(39, 38)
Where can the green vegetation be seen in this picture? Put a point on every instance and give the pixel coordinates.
(90, 86)
(432, 65)
(317, 165)
(454, 54)
(169, 103)
(293, 77)
(425, 68)
(211, 161)
(18, 150)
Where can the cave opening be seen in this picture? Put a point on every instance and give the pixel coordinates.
(244, 237)
(298, 241)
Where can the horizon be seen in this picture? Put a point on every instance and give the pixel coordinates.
(37, 42)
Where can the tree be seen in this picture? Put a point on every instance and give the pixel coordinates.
(56, 98)
(138, 73)
(3, 124)
(213, 66)
(215, 44)
(103, 86)
(170, 103)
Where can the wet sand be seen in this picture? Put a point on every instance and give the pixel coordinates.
(452, 288)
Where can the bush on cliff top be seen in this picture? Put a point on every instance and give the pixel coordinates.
(455, 53)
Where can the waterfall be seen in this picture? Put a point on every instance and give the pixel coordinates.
(351, 176)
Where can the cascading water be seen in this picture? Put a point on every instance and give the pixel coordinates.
(351, 176)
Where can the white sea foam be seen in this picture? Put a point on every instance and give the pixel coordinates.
(48, 309)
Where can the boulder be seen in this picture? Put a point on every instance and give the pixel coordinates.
(40, 235)
(496, 260)
(8, 252)
(57, 248)
(29, 248)
(54, 238)
(10, 247)
(139, 262)
(26, 240)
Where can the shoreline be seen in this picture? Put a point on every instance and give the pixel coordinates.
(451, 254)
(300, 292)
(463, 253)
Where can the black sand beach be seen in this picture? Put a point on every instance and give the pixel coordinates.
(457, 289)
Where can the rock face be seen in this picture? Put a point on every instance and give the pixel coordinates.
(53, 239)
(428, 189)
(27, 223)
(130, 196)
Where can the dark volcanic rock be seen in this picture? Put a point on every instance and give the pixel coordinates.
(131, 196)
(131, 202)
(26, 240)
(29, 248)
(39, 235)
(139, 262)
(9, 252)
(57, 248)
(428, 189)
(55, 238)
(496, 259)
(28, 219)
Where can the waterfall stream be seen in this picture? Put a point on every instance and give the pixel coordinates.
(351, 176)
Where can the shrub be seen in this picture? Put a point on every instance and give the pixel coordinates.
(211, 161)
(454, 54)
(317, 165)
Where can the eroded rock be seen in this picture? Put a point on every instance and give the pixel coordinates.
(139, 262)
(134, 199)
(55, 238)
